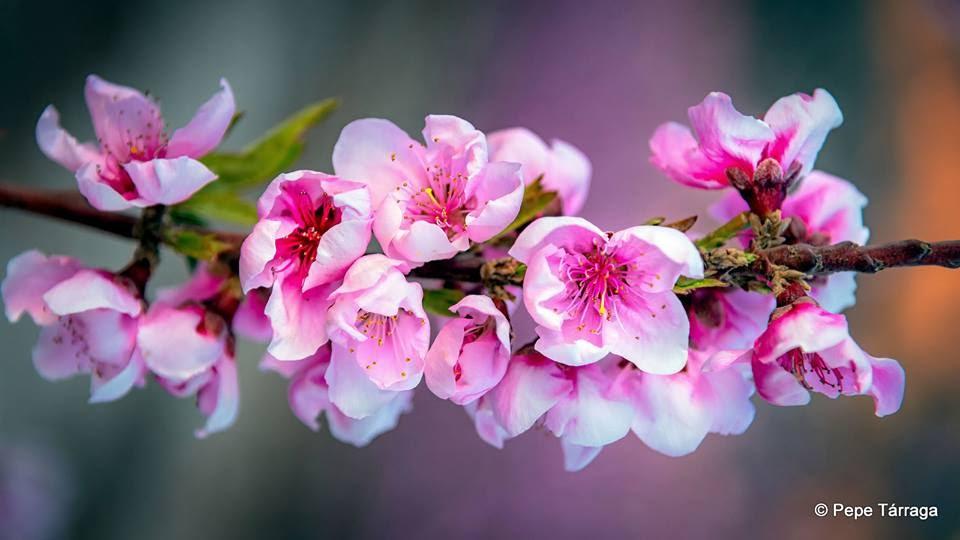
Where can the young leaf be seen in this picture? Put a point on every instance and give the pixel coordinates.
(219, 205)
(535, 201)
(438, 301)
(205, 247)
(724, 233)
(270, 155)
(687, 285)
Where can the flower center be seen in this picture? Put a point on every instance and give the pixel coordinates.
(596, 281)
(377, 327)
(314, 218)
(442, 201)
(803, 364)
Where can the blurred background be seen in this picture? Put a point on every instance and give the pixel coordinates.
(602, 78)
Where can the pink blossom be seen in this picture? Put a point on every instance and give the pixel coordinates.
(136, 164)
(831, 211)
(432, 200)
(312, 227)
(791, 132)
(674, 413)
(89, 319)
(807, 348)
(561, 167)
(470, 353)
(724, 319)
(190, 350)
(593, 293)
(204, 285)
(381, 335)
(309, 397)
(576, 404)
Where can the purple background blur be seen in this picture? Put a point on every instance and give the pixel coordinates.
(602, 78)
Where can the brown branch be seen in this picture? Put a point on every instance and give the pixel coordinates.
(850, 257)
(467, 267)
(70, 206)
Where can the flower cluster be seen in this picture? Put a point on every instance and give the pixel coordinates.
(331, 278)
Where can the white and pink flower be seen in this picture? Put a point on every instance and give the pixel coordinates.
(312, 227)
(576, 404)
(831, 211)
(470, 353)
(89, 320)
(136, 164)
(674, 413)
(808, 349)
(561, 167)
(431, 201)
(309, 397)
(380, 334)
(728, 318)
(189, 348)
(792, 133)
(593, 293)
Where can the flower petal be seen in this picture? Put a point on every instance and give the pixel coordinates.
(207, 127)
(888, 385)
(574, 233)
(531, 386)
(91, 289)
(576, 457)
(378, 154)
(29, 276)
(653, 336)
(298, 319)
(350, 389)
(220, 398)
(59, 145)
(663, 252)
(801, 124)
(168, 181)
(500, 186)
(361, 432)
(590, 415)
(127, 123)
(194, 353)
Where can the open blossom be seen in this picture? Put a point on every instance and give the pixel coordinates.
(89, 319)
(431, 201)
(792, 133)
(674, 413)
(728, 318)
(309, 398)
(380, 334)
(312, 227)
(593, 293)
(576, 404)
(470, 353)
(190, 350)
(136, 163)
(561, 166)
(830, 210)
(808, 349)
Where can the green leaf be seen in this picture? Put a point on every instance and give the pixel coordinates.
(268, 156)
(219, 205)
(725, 232)
(200, 246)
(535, 201)
(438, 301)
(687, 285)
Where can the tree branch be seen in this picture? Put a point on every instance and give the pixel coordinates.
(850, 257)
(843, 257)
(70, 206)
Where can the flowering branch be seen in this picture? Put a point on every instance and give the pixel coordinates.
(635, 328)
(805, 258)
